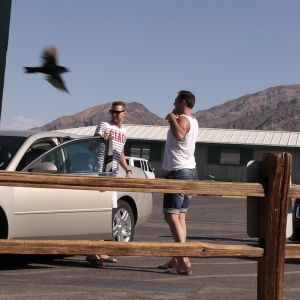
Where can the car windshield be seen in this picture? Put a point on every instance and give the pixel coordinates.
(9, 145)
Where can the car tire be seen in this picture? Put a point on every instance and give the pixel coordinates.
(123, 224)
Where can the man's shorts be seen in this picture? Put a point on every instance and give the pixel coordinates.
(178, 203)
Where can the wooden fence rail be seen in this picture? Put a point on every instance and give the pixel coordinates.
(42, 180)
(292, 251)
(197, 249)
(271, 250)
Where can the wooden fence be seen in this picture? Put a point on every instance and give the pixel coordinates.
(271, 250)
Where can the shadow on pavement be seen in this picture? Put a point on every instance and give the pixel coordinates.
(25, 261)
(69, 262)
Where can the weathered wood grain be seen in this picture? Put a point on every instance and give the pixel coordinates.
(41, 180)
(276, 180)
(196, 249)
(294, 191)
(292, 251)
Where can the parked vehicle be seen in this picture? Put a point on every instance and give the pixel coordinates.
(296, 220)
(37, 213)
(141, 163)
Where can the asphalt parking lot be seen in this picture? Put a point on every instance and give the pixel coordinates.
(210, 219)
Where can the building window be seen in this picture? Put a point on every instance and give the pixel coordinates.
(229, 156)
(238, 156)
(142, 151)
(135, 151)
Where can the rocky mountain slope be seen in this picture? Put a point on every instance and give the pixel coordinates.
(276, 108)
(136, 114)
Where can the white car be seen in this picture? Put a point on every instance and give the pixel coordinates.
(141, 163)
(42, 213)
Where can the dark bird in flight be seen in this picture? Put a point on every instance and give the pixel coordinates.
(50, 68)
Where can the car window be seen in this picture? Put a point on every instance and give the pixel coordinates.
(146, 166)
(137, 163)
(143, 165)
(9, 145)
(77, 156)
(36, 149)
(149, 167)
(81, 158)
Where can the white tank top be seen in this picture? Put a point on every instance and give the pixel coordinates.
(180, 154)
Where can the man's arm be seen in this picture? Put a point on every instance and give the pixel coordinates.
(124, 165)
(101, 131)
(180, 126)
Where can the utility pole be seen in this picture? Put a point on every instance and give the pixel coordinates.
(5, 8)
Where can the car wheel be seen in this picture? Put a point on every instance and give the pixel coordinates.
(123, 223)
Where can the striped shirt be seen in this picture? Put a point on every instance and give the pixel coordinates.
(117, 138)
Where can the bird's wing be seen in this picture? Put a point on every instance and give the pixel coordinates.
(57, 82)
(49, 56)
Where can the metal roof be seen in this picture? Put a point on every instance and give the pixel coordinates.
(207, 135)
(37, 133)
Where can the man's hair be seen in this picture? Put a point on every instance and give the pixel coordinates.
(188, 97)
(119, 103)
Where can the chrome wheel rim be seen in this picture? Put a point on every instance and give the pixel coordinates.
(122, 226)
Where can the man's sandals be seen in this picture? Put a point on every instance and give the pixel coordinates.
(98, 262)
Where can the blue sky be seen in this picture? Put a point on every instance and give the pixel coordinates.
(146, 51)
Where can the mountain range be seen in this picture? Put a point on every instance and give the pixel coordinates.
(275, 108)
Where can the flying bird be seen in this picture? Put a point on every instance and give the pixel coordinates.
(50, 68)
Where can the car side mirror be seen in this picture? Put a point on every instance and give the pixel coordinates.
(44, 167)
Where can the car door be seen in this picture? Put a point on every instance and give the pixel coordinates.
(65, 213)
(149, 171)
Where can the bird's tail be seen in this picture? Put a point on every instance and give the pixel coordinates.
(31, 69)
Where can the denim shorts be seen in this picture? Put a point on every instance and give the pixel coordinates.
(178, 203)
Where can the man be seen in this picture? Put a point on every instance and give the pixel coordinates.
(115, 132)
(179, 162)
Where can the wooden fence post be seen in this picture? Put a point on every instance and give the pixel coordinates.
(273, 217)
